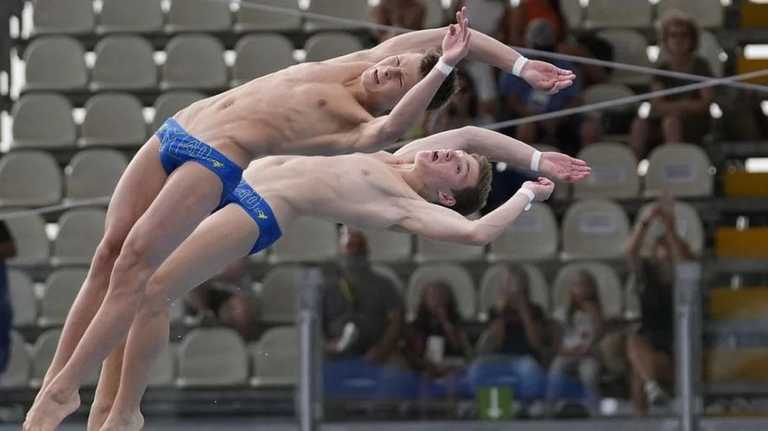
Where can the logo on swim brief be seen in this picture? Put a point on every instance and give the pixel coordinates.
(216, 163)
(260, 214)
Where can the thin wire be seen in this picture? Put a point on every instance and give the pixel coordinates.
(625, 100)
(526, 51)
(493, 126)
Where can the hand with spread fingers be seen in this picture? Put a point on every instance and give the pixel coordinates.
(562, 167)
(456, 41)
(547, 77)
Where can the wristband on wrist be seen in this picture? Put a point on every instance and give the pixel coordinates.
(529, 194)
(444, 68)
(520, 63)
(535, 160)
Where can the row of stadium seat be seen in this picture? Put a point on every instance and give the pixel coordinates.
(32, 178)
(117, 119)
(591, 229)
(207, 55)
(638, 13)
(148, 16)
(192, 61)
(48, 304)
(205, 357)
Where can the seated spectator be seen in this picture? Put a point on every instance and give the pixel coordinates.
(362, 310)
(436, 343)
(650, 348)
(519, 334)
(680, 117)
(409, 14)
(582, 325)
(520, 100)
(7, 251)
(227, 299)
(517, 327)
(462, 109)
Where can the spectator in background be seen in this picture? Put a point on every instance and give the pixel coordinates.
(362, 310)
(410, 14)
(436, 343)
(582, 323)
(680, 117)
(7, 251)
(519, 101)
(227, 299)
(650, 348)
(516, 341)
(517, 327)
(515, 26)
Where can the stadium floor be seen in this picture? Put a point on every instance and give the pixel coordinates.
(254, 424)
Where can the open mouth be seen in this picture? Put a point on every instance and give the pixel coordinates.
(376, 76)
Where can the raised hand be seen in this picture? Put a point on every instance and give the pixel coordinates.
(456, 40)
(563, 167)
(546, 77)
(542, 188)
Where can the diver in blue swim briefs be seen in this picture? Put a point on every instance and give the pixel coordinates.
(422, 189)
(359, 102)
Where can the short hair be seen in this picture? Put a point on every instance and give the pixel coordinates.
(676, 17)
(447, 88)
(471, 199)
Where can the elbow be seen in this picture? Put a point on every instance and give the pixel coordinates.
(475, 235)
(469, 133)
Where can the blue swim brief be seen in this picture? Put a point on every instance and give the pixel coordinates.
(260, 211)
(178, 147)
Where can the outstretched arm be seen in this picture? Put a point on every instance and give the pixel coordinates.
(383, 131)
(501, 148)
(440, 223)
(483, 48)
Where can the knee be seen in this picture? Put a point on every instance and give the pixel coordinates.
(156, 301)
(108, 249)
(134, 254)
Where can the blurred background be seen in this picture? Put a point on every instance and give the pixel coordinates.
(638, 298)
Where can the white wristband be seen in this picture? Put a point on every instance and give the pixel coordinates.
(529, 194)
(535, 160)
(443, 68)
(520, 63)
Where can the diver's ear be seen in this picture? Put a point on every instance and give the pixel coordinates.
(446, 199)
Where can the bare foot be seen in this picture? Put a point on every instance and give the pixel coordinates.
(97, 416)
(49, 410)
(128, 422)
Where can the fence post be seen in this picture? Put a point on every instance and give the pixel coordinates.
(688, 339)
(309, 406)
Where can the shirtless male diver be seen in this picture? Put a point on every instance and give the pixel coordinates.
(420, 189)
(314, 108)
